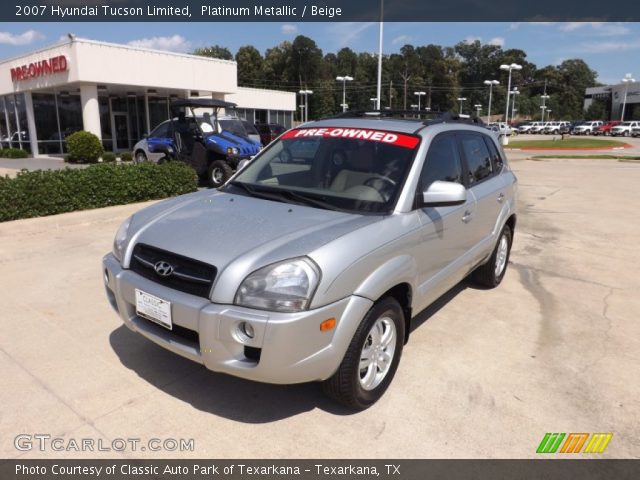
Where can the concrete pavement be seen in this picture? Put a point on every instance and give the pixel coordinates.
(486, 373)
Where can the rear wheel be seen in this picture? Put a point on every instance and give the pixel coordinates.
(491, 273)
(372, 358)
(140, 157)
(218, 173)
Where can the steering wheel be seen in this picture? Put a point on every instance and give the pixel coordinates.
(384, 185)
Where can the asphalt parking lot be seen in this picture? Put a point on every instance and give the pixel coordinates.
(556, 348)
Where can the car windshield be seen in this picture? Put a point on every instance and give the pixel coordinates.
(346, 169)
(234, 126)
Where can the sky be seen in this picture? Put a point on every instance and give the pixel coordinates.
(611, 49)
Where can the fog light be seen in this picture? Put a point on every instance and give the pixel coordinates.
(247, 330)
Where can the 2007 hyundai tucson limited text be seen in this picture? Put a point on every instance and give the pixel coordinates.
(309, 264)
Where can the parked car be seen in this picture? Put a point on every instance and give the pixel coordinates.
(503, 128)
(310, 263)
(15, 139)
(606, 128)
(213, 145)
(553, 128)
(526, 127)
(252, 132)
(538, 129)
(269, 132)
(635, 132)
(623, 129)
(587, 128)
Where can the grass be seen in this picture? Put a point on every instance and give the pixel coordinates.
(567, 143)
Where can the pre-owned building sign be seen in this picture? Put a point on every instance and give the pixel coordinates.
(39, 69)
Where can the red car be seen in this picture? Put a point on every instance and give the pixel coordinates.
(606, 128)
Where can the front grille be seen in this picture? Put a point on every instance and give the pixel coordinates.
(189, 276)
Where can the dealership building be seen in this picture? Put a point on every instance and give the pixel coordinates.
(117, 92)
(613, 98)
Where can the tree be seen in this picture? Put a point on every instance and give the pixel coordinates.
(214, 51)
(250, 64)
(306, 60)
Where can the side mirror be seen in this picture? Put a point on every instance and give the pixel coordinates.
(441, 194)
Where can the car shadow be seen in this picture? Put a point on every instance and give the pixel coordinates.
(230, 397)
(219, 394)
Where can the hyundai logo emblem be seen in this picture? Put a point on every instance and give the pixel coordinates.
(162, 268)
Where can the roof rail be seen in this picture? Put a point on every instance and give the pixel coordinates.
(429, 118)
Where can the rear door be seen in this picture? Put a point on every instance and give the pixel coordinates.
(487, 187)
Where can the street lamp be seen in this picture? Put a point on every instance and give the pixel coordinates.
(514, 92)
(419, 94)
(542, 108)
(301, 112)
(375, 102)
(306, 94)
(549, 112)
(478, 107)
(344, 81)
(491, 83)
(509, 68)
(544, 98)
(627, 80)
(461, 100)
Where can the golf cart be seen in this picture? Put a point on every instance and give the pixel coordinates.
(211, 143)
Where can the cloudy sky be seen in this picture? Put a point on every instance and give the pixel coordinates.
(612, 49)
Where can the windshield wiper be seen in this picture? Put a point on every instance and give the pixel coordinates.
(285, 196)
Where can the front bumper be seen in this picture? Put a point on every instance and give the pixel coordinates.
(286, 348)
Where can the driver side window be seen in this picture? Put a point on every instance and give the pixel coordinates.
(442, 162)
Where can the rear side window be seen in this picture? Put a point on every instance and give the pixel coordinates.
(496, 159)
(161, 130)
(477, 157)
(442, 162)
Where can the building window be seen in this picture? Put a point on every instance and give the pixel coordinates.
(70, 114)
(46, 119)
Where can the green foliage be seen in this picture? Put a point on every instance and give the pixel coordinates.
(597, 111)
(108, 157)
(84, 147)
(13, 153)
(214, 51)
(126, 157)
(48, 192)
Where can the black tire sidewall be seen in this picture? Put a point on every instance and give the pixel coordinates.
(505, 231)
(222, 165)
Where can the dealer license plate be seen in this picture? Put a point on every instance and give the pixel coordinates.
(153, 308)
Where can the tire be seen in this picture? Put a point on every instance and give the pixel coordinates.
(140, 157)
(491, 273)
(218, 173)
(382, 330)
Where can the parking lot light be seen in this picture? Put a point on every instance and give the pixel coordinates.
(544, 98)
(306, 94)
(514, 92)
(344, 79)
(375, 102)
(491, 83)
(626, 80)
(509, 68)
(419, 95)
(478, 107)
(461, 100)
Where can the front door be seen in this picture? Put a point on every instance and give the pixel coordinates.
(120, 127)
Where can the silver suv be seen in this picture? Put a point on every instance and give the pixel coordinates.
(309, 264)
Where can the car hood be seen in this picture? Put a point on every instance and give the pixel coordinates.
(239, 232)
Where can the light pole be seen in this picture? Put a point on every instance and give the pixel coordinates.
(509, 68)
(544, 98)
(514, 92)
(379, 86)
(627, 80)
(549, 112)
(461, 100)
(306, 94)
(344, 81)
(419, 94)
(301, 112)
(491, 83)
(375, 101)
(543, 108)
(478, 107)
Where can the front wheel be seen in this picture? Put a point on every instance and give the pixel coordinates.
(218, 173)
(372, 358)
(491, 273)
(140, 157)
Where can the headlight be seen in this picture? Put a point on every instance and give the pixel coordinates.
(232, 151)
(120, 239)
(282, 287)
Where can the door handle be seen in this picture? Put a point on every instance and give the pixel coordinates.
(500, 197)
(466, 218)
